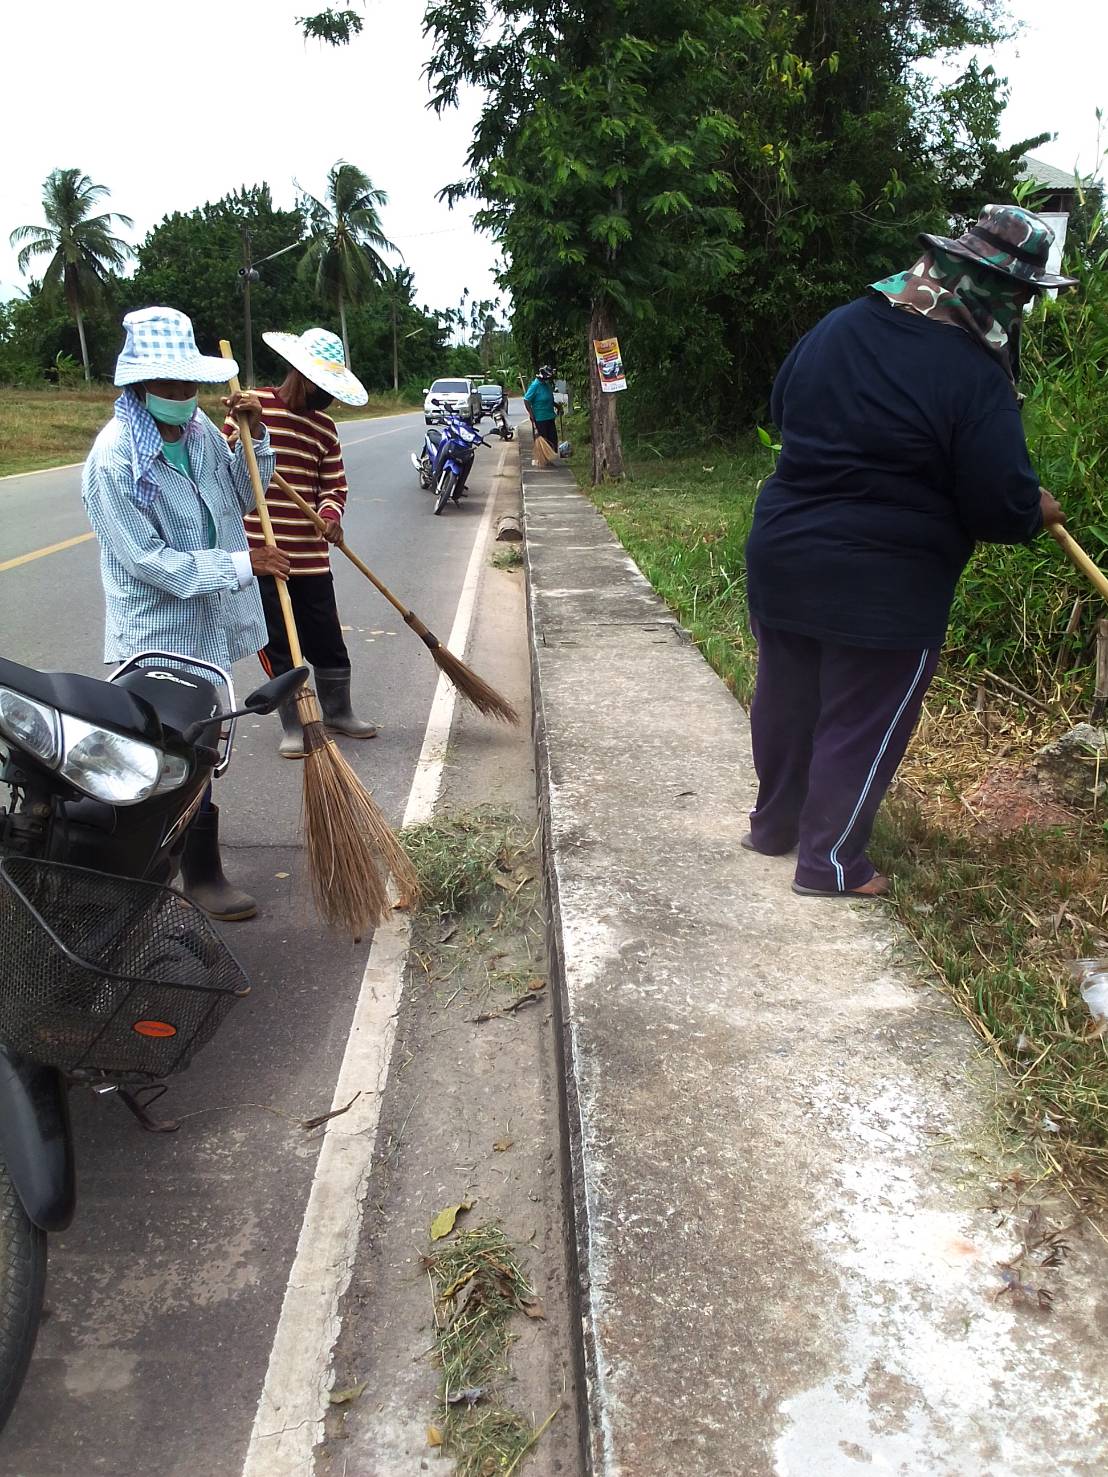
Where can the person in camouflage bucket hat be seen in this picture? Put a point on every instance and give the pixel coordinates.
(901, 449)
(982, 281)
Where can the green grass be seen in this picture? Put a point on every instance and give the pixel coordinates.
(508, 558)
(51, 428)
(998, 917)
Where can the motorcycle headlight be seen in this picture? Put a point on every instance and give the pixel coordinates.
(111, 767)
(33, 726)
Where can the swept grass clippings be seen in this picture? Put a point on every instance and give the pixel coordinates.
(458, 857)
(478, 932)
(479, 1291)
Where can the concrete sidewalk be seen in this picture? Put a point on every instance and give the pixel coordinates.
(786, 1183)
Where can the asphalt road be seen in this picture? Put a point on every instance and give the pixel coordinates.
(163, 1296)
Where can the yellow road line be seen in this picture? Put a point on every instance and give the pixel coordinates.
(66, 543)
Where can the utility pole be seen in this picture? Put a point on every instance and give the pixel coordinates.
(249, 274)
(395, 340)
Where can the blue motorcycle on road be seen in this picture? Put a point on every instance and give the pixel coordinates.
(446, 457)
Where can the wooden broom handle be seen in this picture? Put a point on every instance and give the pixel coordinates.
(246, 441)
(1077, 556)
(320, 525)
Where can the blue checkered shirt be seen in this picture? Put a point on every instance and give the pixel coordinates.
(168, 585)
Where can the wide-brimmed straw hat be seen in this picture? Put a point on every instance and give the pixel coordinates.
(161, 345)
(1011, 240)
(318, 355)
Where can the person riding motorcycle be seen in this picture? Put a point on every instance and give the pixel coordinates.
(165, 496)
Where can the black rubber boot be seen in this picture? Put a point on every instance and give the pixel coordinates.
(333, 689)
(292, 738)
(202, 879)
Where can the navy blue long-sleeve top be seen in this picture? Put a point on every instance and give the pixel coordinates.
(902, 446)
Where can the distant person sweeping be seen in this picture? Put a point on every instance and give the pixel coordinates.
(309, 458)
(539, 400)
(166, 499)
(902, 447)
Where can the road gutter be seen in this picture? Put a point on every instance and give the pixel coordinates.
(289, 1421)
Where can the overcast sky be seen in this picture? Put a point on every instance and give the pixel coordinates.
(171, 105)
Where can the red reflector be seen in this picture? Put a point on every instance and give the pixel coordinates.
(154, 1028)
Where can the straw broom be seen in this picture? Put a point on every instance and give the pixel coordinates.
(347, 836)
(474, 689)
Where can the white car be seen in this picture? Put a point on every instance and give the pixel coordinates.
(458, 395)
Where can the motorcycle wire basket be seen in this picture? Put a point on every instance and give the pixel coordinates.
(103, 974)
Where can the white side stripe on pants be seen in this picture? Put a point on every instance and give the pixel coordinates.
(834, 858)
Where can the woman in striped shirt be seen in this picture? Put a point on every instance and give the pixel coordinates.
(309, 458)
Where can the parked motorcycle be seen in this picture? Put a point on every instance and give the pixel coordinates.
(108, 977)
(445, 459)
(497, 412)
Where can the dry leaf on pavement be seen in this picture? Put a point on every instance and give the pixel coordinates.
(443, 1223)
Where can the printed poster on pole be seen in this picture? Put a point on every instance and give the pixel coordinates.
(609, 364)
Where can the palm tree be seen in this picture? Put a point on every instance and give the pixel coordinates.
(343, 258)
(80, 245)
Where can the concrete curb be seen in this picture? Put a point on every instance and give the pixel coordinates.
(780, 1146)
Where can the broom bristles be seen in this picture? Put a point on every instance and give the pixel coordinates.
(351, 847)
(474, 689)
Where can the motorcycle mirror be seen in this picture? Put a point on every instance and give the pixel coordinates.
(272, 694)
(263, 699)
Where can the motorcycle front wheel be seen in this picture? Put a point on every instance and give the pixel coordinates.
(445, 490)
(22, 1285)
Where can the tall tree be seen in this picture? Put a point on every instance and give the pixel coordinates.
(343, 259)
(81, 246)
(708, 177)
(192, 260)
(599, 156)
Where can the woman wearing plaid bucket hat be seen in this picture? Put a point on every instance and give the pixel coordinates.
(902, 447)
(309, 458)
(166, 499)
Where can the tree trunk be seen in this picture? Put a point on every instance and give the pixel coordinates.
(607, 448)
(342, 329)
(81, 335)
(395, 348)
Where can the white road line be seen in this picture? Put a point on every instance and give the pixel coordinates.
(288, 1423)
(39, 471)
(376, 436)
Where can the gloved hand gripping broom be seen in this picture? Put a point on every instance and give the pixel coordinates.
(348, 838)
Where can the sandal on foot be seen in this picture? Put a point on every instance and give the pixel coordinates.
(876, 887)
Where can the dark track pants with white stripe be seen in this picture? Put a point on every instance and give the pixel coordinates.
(830, 725)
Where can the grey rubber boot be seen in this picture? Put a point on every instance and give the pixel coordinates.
(202, 879)
(332, 686)
(292, 737)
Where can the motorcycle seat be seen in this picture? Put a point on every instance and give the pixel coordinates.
(435, 435)
(178, 697)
